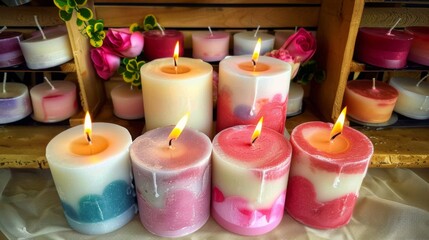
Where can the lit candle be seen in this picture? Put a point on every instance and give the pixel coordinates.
(161, 43)
(92, 174)
(250, 174)
(172, 179)
(210, 46)
(53, 101)
(15, 101)
(47, 50)
(251, 87)
(244, 42)
(370, 101)
(176, 86)
(295, 96)
(10, 51)
(419, 51)
(327, 168)
(413, 99)
(127, 101)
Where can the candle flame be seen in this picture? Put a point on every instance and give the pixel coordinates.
(177, 130)
(88, 127)
(339, 124)
(258, 130)
(255, 55)
(176, 54)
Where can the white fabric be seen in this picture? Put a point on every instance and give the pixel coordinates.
(393, 204)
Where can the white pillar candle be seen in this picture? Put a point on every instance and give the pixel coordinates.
(244, 42)
(94, 181)
(413, 99)
(294, 103)
(210, 46)
(127, 101)
(15, 102)
(53, 104)
(246, 94)
(168, 95)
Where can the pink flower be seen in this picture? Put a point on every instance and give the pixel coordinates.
(124, 42)
(285, 56)
(105, 62)
(301, 45)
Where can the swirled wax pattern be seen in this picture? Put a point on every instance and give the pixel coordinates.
(10, 51)
(15, 103)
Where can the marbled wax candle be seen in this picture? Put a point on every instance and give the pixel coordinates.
(15, 102)
(10, 51)
(210, 46)
(127, 101)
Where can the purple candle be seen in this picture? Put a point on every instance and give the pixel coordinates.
(383, 48)
(160, 44)
(15, 102)
(419, 51)
(10, 51)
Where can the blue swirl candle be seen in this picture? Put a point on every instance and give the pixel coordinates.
(92, 174)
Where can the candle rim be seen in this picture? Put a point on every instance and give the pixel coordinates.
(22, 91)
(277, 66)
(424, 91)
(7, 35)
(418, 31)
(197, 68)
(250, 34)
(382, 32)
(381, 90)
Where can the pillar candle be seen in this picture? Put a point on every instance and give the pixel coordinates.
(127, 101)
(295, 96)
(168, 95)
(376, 47)
(45, 53)
(369, 104)
(159, 44)
(210, 47)
(94, 181)
(15, 102)
(173, 183)
(413, 99)
(244, 42)
(53, 105)
(246, 94)
(326, 175)
(419, 51)
(249, 180)
(10, 51)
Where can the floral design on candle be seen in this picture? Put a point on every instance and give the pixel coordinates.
(15, 101)
(249, 179)
(210, 46)
(10, 51)
(127, 101)
(92, 174)
(326, 173)
(172, 179)
(419, 51)
(161, 43)
(244, 42)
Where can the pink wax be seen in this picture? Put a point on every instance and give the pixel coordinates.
(210, 47)
(127, 102)
(326, 176)
(53, 105)
(158, 45)
(419, 51)
(10, 51)
(367, 104)
(376, 47)
(173, 184)
(249, 180)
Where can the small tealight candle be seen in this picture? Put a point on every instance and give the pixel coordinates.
(210, 46)
(370, 101)
(327, 168)
(173, 176)
(92, 174)
(53, 101)
(419, 51)
(295, 96)
(413, 99)
(250, 174)
(10, 51)
(161, 43)
(15, 101)
(127, 101)
(244, 42)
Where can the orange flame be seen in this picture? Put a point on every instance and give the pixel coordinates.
(338, 126)
(177, 130)
(176, 53)
(256, 52)
(258, 130)
(88, 127)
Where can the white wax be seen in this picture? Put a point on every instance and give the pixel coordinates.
(15, 103)
(294, 104)
(210, 47)
(45, 53)
(53, 105)
(127, 102)
(244, 42)
(413, 101)
(167, 96)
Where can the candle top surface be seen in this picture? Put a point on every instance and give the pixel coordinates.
(419, 31)
(60, 87)
(188, 69)
(50, 35)
(208, 35)
(158, 34)
(273, 66)
(383, 32)
(382, 91)
(13, 90)
(250, 35)
(6, 35)
(269, 150)
(151, 150)
(409, 84)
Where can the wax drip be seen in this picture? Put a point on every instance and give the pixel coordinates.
(4, 82)
(160, 28)
(256, 32)
(391, 29)
(39, 27)
(252, 110)
(155, 185)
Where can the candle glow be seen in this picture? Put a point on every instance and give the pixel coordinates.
(177, 130)
(88, 127)
(176, 54)
(256, 52)
(258, 130)
(338, 126)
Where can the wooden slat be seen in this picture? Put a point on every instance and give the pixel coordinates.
(386, 17)
(213, 1)
(23, 16)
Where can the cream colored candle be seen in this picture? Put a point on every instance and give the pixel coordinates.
(244, 42)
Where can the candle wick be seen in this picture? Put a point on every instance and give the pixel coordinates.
(49, 82)
(210, 30)
(391, 29)
(131, 87)
(254, 64)
(256, 32)
(373, 83)
(170, 143)
(421, 80)
(160, 28)
(296, 28)
(88, 138)
(254, 140)
(3, 29)
(39, 27)
(4, 82)
(336, 135)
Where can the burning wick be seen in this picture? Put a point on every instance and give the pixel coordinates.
(176, 55)
(177, 130)
(338, 126)
(257, 131)
(88, 128)
(255, 55)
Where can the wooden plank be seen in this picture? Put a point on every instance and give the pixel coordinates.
(386, 17)
(23, 16)
(216, 17)
(213, 1)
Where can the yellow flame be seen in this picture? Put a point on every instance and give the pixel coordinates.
(255, 55)
(257, 130)
(176, 53)
(177, 130)
(88, 127)
(338, 126)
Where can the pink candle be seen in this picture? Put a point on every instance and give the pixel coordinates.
(419, 51)
(10, 51)
(173, 183)
(127, 101)
(249, 180)
(53, 103)
(376, 47)
(325, 174)
(159, 44)
(370, 102)
(210, 47)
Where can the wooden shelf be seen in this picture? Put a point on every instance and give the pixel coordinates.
(67, 67)
(356, 66)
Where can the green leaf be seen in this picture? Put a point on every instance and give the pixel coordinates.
(128, 77)
(102, 35)
(121, 69)
(96, 43)
(84, 14)
(81, 3)
(140, 64)
(98, 26)
(65, 16)
(149, 20)
(136, 82)
(61, 4)
(134, 27)
(79, 22)
(147, 27)
(71, 3)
